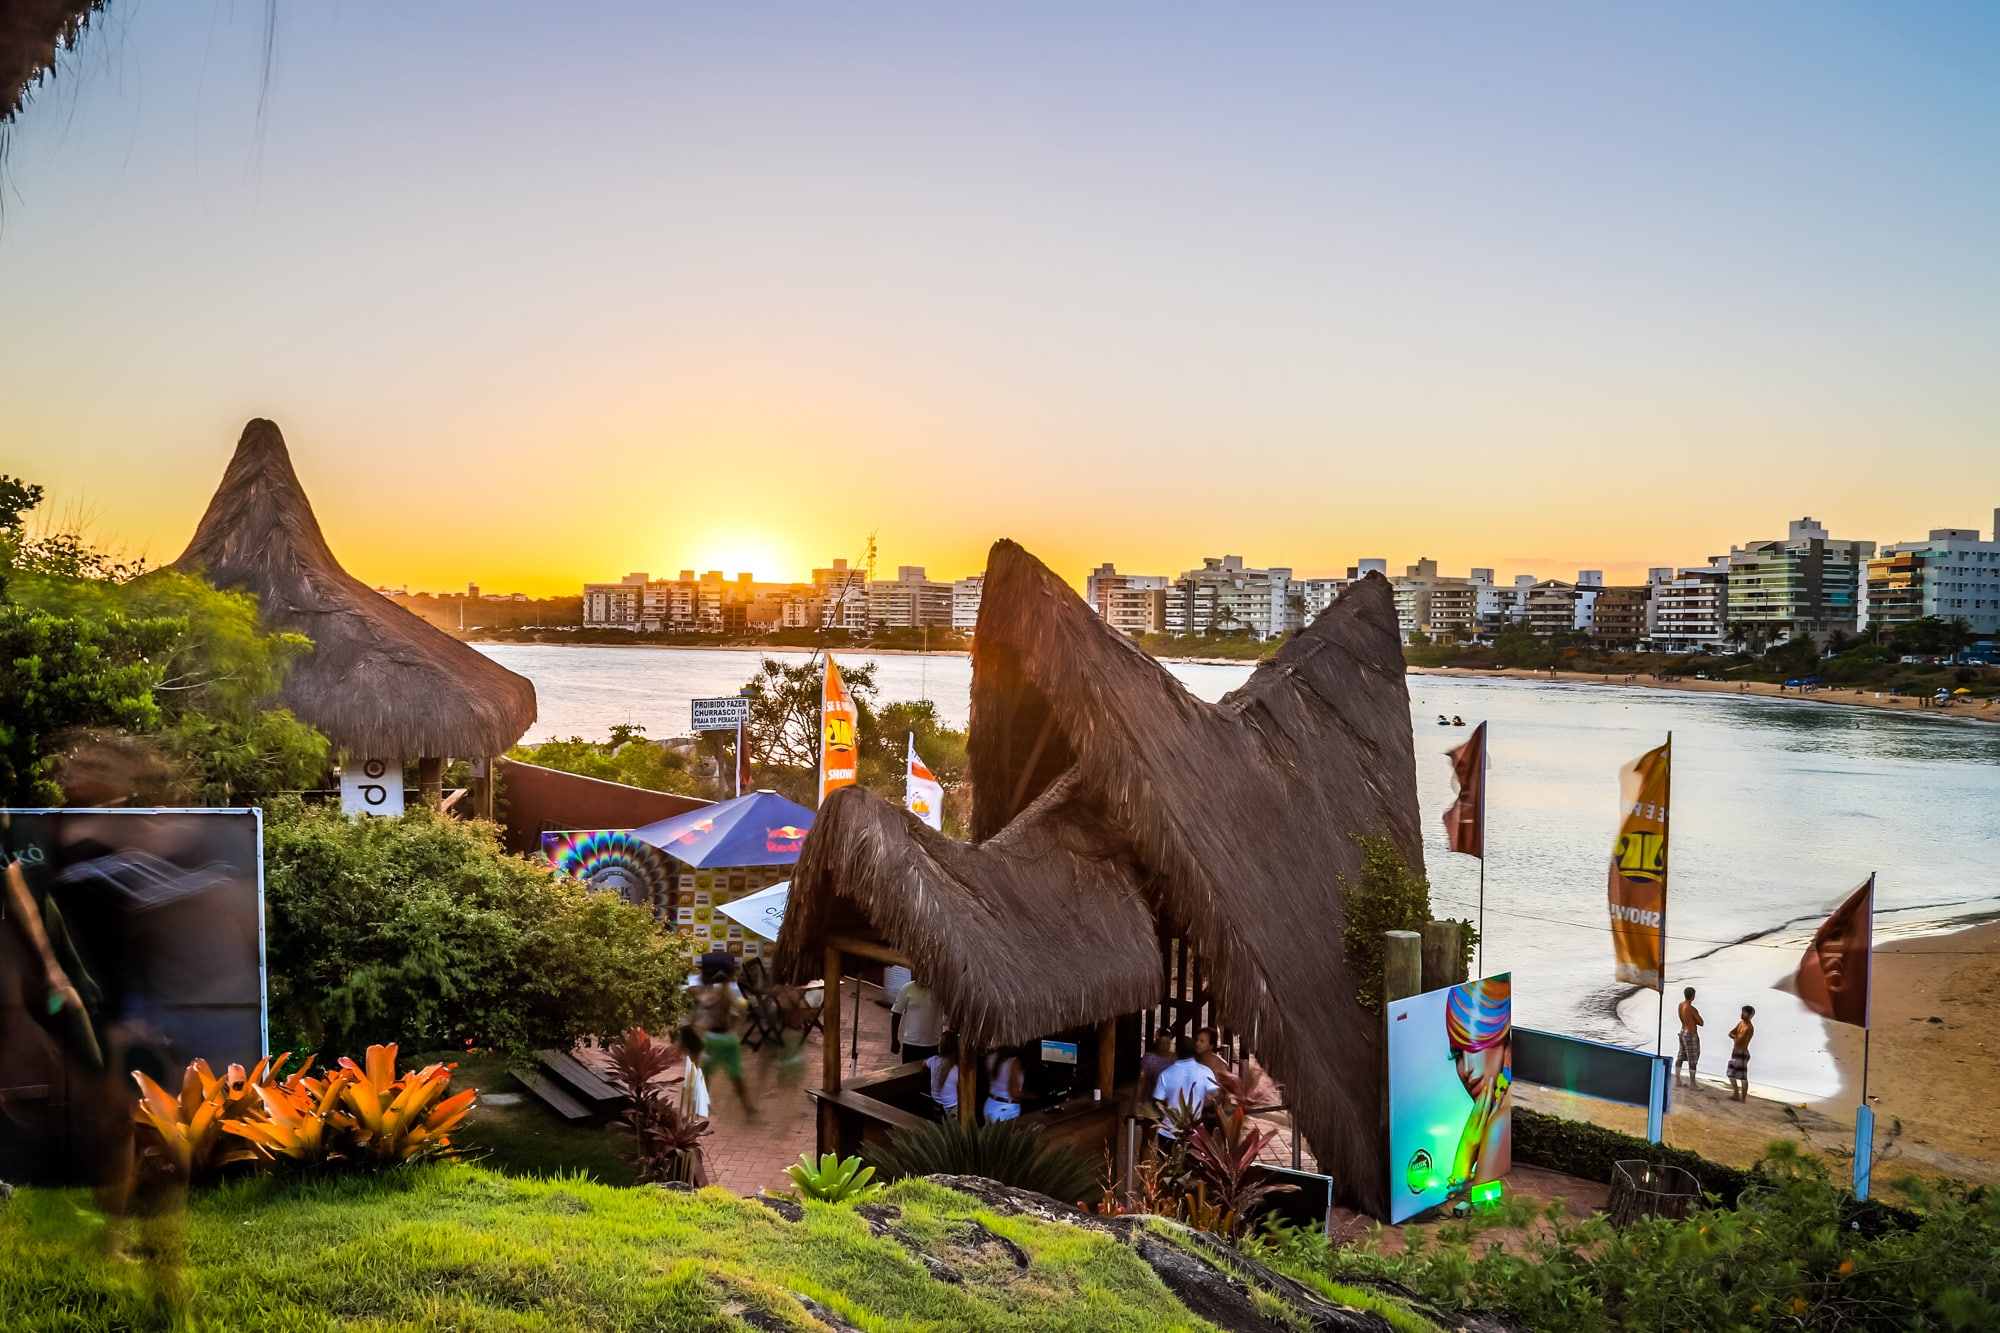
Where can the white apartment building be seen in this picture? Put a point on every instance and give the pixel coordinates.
(965, 595)
(618, 605)
(1952, 575)
(911, 601)
(1224, 597)
(843, 595)
(1436, 605)
(1129, 603)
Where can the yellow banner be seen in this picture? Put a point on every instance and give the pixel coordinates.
(1638, 883)
(836, 734)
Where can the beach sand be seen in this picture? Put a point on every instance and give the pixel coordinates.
(1934, 1075)
(1985, 711)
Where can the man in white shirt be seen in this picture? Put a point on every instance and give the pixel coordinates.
(1187, 1082)
(915, 1022)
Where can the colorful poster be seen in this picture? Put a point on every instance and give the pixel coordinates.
(613, 859)
(1638, 880)
(923, 794)
(836, 734)
(1451, 1101)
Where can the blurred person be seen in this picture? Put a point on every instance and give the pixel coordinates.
(1187, 1085)
(1154, 1063)
(1003, 1085)
(713, 1027)
(915, 1022)
(943, 1070)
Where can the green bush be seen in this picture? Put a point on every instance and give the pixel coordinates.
(1790, 1256)
(420, 930)
(833, 1179)
(1390, 896)
(1008, 1151)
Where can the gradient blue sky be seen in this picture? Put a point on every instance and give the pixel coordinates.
(534, 300)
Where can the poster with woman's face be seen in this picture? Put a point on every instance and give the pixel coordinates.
(1450, 1092)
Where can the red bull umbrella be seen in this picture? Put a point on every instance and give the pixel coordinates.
(761, 829)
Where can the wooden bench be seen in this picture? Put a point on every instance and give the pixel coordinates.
(554, 1095)
(586, 1083)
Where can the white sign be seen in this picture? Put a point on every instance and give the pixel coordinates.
(371, 787)
(724, 714)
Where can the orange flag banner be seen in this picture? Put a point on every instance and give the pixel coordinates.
(1465, 817)
(1833, 976)
(836, 734)
(1638, 882)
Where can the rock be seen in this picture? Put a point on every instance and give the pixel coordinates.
(789, 1209)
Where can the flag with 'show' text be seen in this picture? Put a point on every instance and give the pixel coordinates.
(837, 758)
(1638, 882)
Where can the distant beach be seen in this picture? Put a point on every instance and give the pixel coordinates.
(1985, 711)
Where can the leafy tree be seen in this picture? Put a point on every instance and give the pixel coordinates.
(1929, 636)
(420, 930)
(884, 749)
(59, 674)
(1795, 657)
(785, 718)
(627, 757)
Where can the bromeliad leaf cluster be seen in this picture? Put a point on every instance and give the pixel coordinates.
(357, 1116)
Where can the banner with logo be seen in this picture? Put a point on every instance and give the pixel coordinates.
(923, 794)
(836, 734)
(1833, 976)
(1465, 817)
(1638, 880)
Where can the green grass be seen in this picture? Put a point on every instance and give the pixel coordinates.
(528, 1139)
(461, 1247)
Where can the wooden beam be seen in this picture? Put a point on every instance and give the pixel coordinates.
(829, 1026)
(1107, 1057)
(861, 948)
(968, 1081)
(430, 779)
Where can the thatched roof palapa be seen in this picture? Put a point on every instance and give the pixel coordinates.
(1110, 805)
(31, 34)
(380, 682)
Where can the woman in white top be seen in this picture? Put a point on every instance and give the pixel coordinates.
(1003, 1090)
(944, 1075)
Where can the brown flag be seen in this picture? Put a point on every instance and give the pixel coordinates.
(1833, 976)
(1465, 818)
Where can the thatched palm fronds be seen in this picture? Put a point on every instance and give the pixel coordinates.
(380, 681)
(31, 33)
(1109, 805)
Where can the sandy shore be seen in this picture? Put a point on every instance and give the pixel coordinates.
(1986, 711)
(1934, 1079)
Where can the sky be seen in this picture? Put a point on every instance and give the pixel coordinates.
(1539, 287)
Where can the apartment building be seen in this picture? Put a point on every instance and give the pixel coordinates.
(1619, 614)
(910, 602)
(1555, 607)
(1691, 608)
(965, 596)
(1130, 603)
(1225, 597)
(1808, 583)
(1952, 575)
(1435, 605)
(843, 596)
(617, 605)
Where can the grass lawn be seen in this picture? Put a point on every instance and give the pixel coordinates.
(527, 1138)
(463, 1247)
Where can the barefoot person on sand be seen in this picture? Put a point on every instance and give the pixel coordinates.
(1739, 1058)
(1691, 1025)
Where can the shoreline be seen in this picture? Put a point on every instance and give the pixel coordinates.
(1987, 711)
(1931, 1075)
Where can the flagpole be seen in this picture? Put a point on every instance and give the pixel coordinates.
(1868, 1013)
(1666, 869)
(1482, 850)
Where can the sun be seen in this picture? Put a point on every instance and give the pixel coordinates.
(746, 553)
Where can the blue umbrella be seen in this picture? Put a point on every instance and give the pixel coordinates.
(761, 829)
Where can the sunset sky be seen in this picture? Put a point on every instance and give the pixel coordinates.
(728, 286)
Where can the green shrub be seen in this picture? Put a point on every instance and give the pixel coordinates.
(1390, 896)
(1008, 1151)
(420, 930)
(833, 1179)
(1792, 1255)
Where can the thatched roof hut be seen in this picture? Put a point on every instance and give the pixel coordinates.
(380, 682)
(31, 33)
(1112, 808)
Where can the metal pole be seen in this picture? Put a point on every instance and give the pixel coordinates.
(854, 1050)
(1666, 834)
(1482, 892)
(739, 758)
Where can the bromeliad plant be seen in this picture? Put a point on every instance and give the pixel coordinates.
(361, 1116)
(834, 1180)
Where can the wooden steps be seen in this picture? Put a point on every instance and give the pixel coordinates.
(570, 1088)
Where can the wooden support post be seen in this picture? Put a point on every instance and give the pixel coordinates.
(430, 779)
(1402, 964)
(482, 788)
(1107, 1057)
(829, 1023)
(1444, 954)
(968, 1082)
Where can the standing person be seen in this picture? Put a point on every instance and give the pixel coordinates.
(915, 1024)
(1187, 1084)
(1739, 1058)
(1154, 1063)
(1209, 1053)
(1691, 1025)
(1003, 1086)
(943, 1069)
(716, 1003)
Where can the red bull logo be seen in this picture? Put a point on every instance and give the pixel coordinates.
(784, 838)
(694, 831)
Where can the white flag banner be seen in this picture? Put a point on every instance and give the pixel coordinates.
(922, 792)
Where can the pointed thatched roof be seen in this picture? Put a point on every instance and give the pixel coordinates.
(1111, 805)
(31, 32)
(380, 681)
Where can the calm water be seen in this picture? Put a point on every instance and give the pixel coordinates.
(1780, 809)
